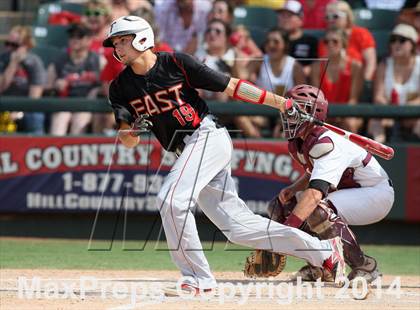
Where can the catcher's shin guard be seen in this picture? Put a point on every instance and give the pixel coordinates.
(326, 224)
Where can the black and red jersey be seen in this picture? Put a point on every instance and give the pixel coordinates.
(168, 94)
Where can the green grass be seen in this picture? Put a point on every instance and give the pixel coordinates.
(73, 254)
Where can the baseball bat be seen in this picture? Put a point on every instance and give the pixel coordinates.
(372, 146)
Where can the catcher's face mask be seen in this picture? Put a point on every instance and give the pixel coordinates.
(295, 127)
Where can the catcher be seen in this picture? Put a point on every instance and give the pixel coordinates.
(342, 185)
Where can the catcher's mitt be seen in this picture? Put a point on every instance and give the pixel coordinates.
(264, 264)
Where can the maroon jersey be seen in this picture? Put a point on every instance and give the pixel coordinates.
(168, 94)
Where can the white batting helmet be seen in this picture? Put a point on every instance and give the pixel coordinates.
(144, 37)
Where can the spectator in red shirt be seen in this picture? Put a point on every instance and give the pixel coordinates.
(341, 77)
(314, 13)
(361, 44)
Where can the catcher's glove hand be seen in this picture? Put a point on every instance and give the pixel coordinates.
(264, 264)
(140, 125)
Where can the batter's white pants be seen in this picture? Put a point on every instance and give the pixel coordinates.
(202, 175)
(363, 205)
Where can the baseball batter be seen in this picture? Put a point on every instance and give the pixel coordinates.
(343, 185)
(163, 87)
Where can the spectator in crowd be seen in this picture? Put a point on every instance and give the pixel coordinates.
(97, 18)
(340, 78)
(223, 10)
(22, 73)
(242, 41)
(398, 83)
(218, 54)
(301, 46)
(277, 72)
(119, 8)
(129, 7)
(75, 74)
(360, 45)
(314, 13)
(182, 23)
(135, 5)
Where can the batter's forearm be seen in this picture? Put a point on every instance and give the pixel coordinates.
(246, 91)
(125, 137)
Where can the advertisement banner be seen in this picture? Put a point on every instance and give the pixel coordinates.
(74, 174)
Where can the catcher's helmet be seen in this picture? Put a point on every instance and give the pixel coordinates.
(144, 37)
(310, 100)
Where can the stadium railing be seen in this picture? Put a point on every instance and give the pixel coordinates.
(54, 104)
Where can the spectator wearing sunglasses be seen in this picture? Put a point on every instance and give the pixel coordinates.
(74, 74)
(97, 19)
(22, 73)
(398, 83)
(360, 46)
(340, 78)
(303, 47)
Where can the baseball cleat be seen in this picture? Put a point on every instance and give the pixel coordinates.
(368, 271)
(334, 266)
(186, 290)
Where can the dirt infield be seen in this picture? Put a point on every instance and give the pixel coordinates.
(117, 290)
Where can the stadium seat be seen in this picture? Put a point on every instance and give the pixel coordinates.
(258, 35)
(382, 41)
(51, 35)
(48, 54)
(375, 19)
(319, 34)
(357, 4)
(46, 9)
(250, 16)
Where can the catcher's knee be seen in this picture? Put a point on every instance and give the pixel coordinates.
(279, 212)
(322, 219)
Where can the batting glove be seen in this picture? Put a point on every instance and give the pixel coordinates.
(141, 124)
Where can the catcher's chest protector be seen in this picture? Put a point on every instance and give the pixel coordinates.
(302, 152)
(299, 149)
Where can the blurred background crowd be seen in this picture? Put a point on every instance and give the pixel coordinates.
(363, 51)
